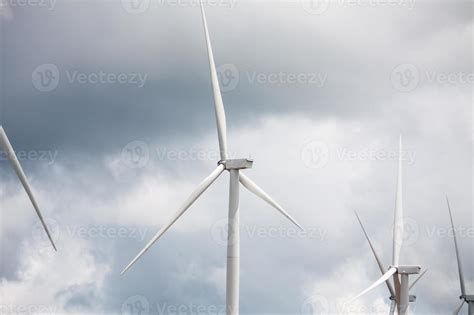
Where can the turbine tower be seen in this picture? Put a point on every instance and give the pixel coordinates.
(465, 298)
(400, 273)
(7, 147)
(234, 167)
(391, 289)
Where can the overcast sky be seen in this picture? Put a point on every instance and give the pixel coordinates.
(109, 107)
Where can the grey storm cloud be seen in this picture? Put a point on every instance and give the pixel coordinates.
(84, 80)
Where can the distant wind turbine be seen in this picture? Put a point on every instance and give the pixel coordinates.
(233, 166)
(400, 273)
(391, 289)
(7, 147)
(465, 298)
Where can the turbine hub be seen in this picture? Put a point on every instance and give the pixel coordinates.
(236, 164)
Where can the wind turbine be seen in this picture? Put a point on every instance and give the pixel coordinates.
(399, 273)
(391, 289)
(234, 167)
(465, 298)
(7, 147)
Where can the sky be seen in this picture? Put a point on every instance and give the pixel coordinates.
(108, 105)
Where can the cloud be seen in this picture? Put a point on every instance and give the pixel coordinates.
(127, 157)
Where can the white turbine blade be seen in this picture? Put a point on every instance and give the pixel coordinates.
(203, 186)
(5, 143)
(458, 309)
(458, 256)
(398, 222)
(418, 279)
(384, 278)
(216, 91)
(253, 188)
(377, 257)
(392, 307)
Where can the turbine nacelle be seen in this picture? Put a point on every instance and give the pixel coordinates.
(236, 164)
(412, 298)
(407, 270)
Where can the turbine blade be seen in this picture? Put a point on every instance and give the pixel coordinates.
(377, 257)
(458, 256)
(203, 186)
(398, 221)
(216, 91)
(392, 307)
(458, 309)
(384, 278)
(253, 188)
(5, 143)
(418, 278)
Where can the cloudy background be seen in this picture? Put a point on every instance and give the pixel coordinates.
(109, 107)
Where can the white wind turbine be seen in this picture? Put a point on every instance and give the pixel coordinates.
(7, 147)
(233, 166)
(389, 283)
(465, 298)
(399, 273)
